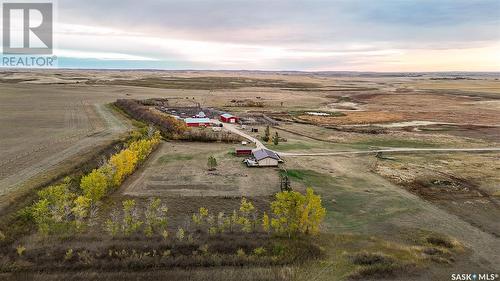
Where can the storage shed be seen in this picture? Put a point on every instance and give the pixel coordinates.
(243, 151)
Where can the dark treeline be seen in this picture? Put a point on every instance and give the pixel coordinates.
(171, 127)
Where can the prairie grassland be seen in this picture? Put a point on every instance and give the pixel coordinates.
(376, 225)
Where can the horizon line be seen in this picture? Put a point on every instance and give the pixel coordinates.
(251, 70)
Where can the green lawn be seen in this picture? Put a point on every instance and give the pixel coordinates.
(352, 203)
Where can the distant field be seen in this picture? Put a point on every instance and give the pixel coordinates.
(207, 83)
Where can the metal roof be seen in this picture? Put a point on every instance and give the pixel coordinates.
(264, 153)
(227, 115)
(197, 120)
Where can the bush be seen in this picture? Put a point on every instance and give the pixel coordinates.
(20, 250)
(155, 218)
(212, 163)
(365, 258)
(260, 251)
(440, 241)
(376, 265)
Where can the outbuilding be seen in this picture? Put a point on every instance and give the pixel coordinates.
(243, 151)
(198, 122)
(263, 158)
(228, 118)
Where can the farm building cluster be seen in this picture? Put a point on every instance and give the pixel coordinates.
(197, 117)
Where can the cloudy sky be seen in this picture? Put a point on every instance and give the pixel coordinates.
(356, 35)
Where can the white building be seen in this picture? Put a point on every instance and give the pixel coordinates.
(263, 158)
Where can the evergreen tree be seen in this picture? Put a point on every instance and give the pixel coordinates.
(276, 139)
(267, 134)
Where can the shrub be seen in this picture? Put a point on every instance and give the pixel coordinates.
(81, 211)
(155, 217)
(259, 251)
(240, 253)
(20, 249)
(68, 255)
(265, 222)
(131, 221)
(267, 134)
(112, 225)
(276, 139)
(278, 249)
(212, 231)
(165, 234)
(440, 241)
(204, 249)
(365, 258)
(180, 234)
(212, 163)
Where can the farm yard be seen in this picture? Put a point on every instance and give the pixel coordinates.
(180, 169)
(425, 212)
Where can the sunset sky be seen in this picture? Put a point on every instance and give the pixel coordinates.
(351, 35)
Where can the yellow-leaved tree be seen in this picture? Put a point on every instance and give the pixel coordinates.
(81, 211)
(123, 164)
(312, 213)
(95, 185)
(295, 213)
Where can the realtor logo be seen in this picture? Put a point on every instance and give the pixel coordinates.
(27, 28)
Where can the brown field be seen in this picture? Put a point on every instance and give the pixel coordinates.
(449, 182)
(357, 117)
(389, 205)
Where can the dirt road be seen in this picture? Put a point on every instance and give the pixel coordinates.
(232, 128)
(402, 149)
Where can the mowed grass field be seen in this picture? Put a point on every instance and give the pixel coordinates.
(180, 169)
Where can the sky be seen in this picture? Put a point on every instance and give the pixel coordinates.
(309, 35)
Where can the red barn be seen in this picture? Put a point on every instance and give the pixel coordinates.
(198, 122)
(228, 118)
